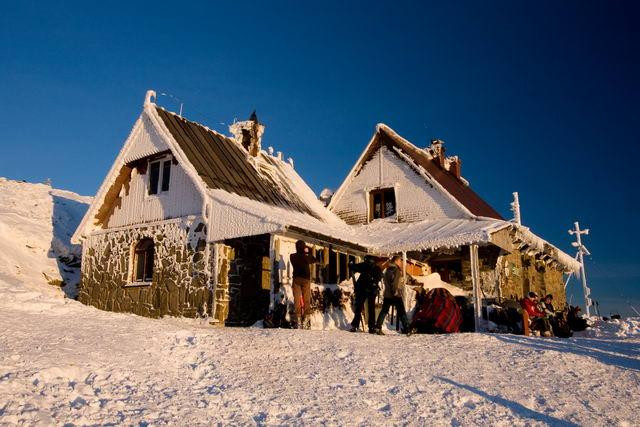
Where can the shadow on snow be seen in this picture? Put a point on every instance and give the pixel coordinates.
(515, 407)
(65, 217)
(625, 355)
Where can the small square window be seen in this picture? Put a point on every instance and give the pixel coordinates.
(383, 203)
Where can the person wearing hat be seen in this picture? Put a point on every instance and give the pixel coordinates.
(546, 305)
(366, 289)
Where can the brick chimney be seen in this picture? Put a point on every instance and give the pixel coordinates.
(249, 134)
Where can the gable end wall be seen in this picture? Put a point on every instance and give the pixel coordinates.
(134, 206)
(416, 199)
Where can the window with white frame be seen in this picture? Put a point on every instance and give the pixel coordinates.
(159, 176)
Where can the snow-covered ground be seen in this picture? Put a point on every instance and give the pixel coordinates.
(62, 362)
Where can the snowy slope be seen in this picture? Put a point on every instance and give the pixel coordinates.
(62, 362)
(36, 223)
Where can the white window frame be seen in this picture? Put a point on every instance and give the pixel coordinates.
(161, 161)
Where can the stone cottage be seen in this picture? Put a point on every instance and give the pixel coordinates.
(191, 222)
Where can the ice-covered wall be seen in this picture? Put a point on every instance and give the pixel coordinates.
(415, 198)
(135, 205)
(180, 284)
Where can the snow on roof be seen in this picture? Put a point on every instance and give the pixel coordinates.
(240, 216)
(243, 217)
(422, 161)
(222, 163)
(389, 237)
(541, 246)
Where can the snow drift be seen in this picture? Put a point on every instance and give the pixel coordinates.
(36, 224)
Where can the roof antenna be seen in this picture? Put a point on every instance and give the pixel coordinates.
(175, 99)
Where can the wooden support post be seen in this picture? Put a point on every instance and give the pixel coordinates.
(404, 268)
(274, 245)
(404, 283)
(213, 281)
(475, 279)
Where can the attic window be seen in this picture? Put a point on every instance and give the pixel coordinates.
(383, 203)
(159, 176)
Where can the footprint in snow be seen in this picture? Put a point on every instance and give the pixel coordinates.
(78, 403)
(343, 354)
(394, 390)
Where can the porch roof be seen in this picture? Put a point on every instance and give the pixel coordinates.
(389, 237)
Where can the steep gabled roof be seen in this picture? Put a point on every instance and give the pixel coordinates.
(224, 164)
(213, 162)
(420, 159)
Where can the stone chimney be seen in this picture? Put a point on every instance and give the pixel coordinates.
(436, 149)
(455, 166)
(325, 196)
(249, 134)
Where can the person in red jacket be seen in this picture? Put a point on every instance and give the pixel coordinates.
(530, 303)
(539, 321)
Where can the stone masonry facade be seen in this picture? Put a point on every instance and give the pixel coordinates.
(180, 282)
(522, 273)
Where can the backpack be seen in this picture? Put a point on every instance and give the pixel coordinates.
(437, 312)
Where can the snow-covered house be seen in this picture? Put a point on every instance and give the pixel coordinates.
(191, 222)
(415, 201)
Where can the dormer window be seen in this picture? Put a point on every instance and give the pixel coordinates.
(159, 175)
(383, 203)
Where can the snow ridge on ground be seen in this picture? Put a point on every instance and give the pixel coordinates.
(65, 363)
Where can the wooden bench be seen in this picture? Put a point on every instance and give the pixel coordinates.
(525, 324)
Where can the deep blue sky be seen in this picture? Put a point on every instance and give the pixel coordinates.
(540, 98)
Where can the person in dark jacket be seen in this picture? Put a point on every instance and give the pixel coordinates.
(546, 305)
(366, 290)
(301, 284)
(393, 292)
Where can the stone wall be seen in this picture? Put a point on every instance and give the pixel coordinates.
(520, 274)
(179, 285)
(225, 255)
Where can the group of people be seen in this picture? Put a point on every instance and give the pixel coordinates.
(541, 312)
(366, 289)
